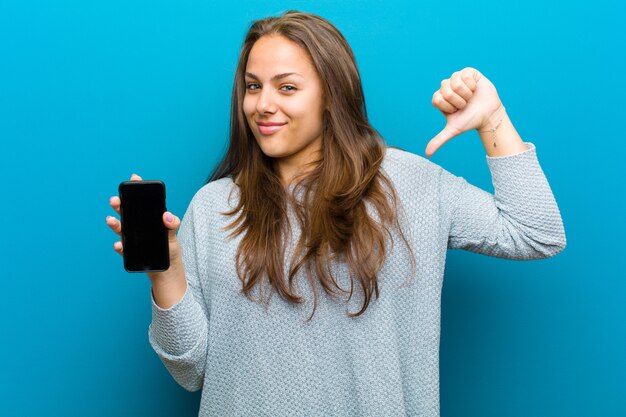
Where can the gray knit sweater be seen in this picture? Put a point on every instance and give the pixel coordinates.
(249, 360)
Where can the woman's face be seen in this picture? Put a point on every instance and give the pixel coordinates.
(282, 86)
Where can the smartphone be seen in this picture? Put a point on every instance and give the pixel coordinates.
(144, 236)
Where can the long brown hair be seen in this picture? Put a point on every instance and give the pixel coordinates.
(332, 215)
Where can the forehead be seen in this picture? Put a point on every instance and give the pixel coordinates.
(274, 53)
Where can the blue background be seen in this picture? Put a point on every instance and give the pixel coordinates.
(91, 92)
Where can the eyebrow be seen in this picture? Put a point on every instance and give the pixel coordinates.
(275, 77)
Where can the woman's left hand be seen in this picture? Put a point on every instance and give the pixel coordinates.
(467, 100)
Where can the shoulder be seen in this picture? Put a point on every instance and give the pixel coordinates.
(221, 186)
(400, 164)
(214, 194)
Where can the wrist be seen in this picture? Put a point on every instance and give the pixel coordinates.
(171, 275)
(493, 121)
(168, 287)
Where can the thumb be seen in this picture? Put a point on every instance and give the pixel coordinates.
(172, 223)
(442, 137)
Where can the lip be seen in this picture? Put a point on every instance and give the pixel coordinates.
(270, 123)
(267, 128)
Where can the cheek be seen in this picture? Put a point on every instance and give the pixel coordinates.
(309, 115)
(248, 106)
(299, 110)
(310, 108)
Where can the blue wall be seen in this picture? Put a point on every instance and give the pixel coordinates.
(91, 91)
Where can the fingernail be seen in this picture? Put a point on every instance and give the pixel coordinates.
(169, 218)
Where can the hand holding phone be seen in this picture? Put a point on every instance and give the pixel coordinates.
(147, 230)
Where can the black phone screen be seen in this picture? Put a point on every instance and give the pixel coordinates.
(144, 236)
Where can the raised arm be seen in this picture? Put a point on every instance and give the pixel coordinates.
(521, 220)
(179, 333)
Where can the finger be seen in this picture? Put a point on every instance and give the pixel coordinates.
(172, 223)
(470, 77)
(115, 200)
(459, 86)
(115, 203)
(115, 225)
(442, 137)
(441, 103)
(117, 246)
(451, 96)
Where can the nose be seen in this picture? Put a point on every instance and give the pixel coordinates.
(266, 102)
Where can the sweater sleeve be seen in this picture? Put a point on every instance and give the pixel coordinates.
(521, 220)
(179, 334)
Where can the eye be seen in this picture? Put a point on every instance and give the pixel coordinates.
(289, 86)
(250, 85)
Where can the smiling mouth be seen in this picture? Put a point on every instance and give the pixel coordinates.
(268, 130)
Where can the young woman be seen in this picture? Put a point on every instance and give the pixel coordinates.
(306, 275)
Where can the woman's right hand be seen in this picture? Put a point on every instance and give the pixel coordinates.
(171, 222)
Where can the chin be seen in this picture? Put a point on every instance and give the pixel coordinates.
(270, 149)
(272, 152)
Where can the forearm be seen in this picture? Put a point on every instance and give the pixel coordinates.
(178, 320)
(179, 331)
(507, 140)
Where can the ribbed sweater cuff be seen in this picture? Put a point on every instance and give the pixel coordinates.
(530, 148)
(515, 175)
(177, 329)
